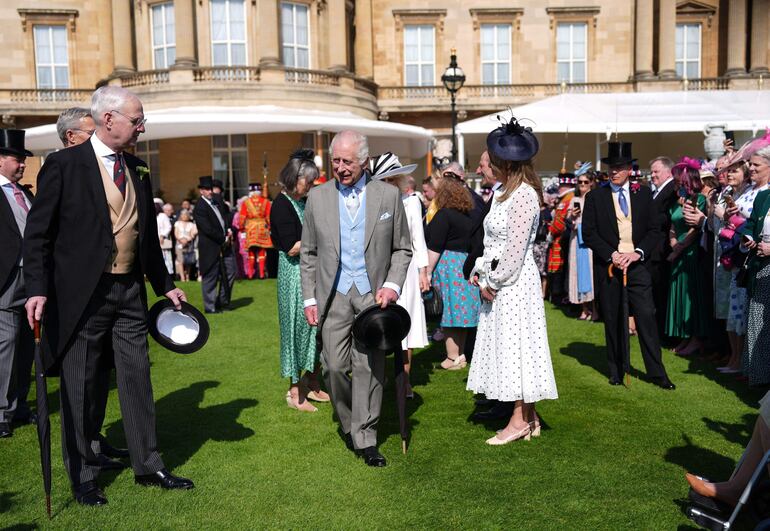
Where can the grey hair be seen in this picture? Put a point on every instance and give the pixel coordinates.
(108, 98)
(455, 167)
(764, 153)
(70, 119)
(410, 182)
(667, 162)
(353, 136)
(295, 170)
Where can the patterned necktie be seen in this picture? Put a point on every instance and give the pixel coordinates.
(19, 196)
(352, 202)
(621, 199)
(119, 174)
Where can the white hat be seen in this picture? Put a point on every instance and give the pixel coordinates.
(388, 165)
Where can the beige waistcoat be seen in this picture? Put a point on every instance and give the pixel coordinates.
(125, 223)
(626, 244)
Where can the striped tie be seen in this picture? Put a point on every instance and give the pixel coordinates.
(119, 174)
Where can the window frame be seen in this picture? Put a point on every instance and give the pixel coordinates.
(419, 62)
(228, 41)
(231, 187)
(52, 65)
(495, 62)
(166, 45)
(684, 61)
(572, 60)
(295, 45)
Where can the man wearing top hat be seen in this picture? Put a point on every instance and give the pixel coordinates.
(214, 244)
(621, 224)
(15, 202)
(355, 252)
(91, 239)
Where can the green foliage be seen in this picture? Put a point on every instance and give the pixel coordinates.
(608, 458)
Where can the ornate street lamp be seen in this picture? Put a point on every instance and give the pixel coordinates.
(453, 80)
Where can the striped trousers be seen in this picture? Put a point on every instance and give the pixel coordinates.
(116, 311)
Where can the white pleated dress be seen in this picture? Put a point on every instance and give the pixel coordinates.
(411, 297)
(511, 359)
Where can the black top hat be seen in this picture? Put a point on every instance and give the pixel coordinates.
(383, 330)
(618, 153)
(216, 183)
(183, 331)
(513, 142)
(12, 142)
(206, 182)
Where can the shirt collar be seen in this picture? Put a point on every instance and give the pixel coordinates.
(100, 148)
(662, 186)
(4, 180)
(615, 188)
(358, 185)
(496, 186)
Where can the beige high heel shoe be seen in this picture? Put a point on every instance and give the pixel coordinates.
(455, 364)
(521, 434)
(315, 396)
(304, 406)
(534, 428)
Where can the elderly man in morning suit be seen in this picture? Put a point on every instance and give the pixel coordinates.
(90, 240)
(355, 252)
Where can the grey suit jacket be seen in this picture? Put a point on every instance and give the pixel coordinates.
(387, 251)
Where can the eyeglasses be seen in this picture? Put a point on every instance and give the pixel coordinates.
(584, 182)
(88, 132)
(135, 122)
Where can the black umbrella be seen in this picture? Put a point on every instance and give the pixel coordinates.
(43, 422)
(626, 342)
(402, 379)
(225, 284)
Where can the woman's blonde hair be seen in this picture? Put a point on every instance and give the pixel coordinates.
(518, 172)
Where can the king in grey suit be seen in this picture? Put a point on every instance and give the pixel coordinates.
(355, 252)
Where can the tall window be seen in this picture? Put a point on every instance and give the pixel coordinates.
(571, 52)
(295, 35)
(51, 59)
(495, 54)
(149, 151)
(228, 32)
(163, 37)
(419, 55)
(688, 44)
(230, 161)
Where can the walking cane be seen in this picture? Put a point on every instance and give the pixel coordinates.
(624, 328)
(43, 423)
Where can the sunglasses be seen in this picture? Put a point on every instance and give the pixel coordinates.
(584, 182)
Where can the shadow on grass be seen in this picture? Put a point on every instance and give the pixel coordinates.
(738, 433)
(183, 427)
(241, 302)
(588, 354)
(748, 395)
(700, 461)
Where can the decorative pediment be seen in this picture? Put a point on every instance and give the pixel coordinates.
(419, 16)
(697, 9)
(497, 14)
(31, 16)
(586, 12)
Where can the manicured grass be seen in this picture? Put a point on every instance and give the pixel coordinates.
(609, 457)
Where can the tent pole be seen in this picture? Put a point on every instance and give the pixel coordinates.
(461, 149)
(598, 164)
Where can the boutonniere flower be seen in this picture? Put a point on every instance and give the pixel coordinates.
(635, 187)
(142, 172)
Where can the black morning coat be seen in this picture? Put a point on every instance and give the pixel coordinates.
(10, 239)
(68, 241)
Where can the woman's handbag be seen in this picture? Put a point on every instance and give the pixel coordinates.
(742, 277)
(434, 306)
(188, 256)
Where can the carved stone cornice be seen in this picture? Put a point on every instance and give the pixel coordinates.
(65, 15)
(513, 14)
(431, 16)
(573, 11)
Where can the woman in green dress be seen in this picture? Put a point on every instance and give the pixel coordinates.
(298, 339)
(686, 317)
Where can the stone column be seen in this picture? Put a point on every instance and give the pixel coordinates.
(643, 69)
(667, 39)
(736, 38)
(338, 35)
(122, 37)
(268, 33)
(184, 24)
(759, 37)
(363, 45)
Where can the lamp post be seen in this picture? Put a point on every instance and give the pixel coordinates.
(453, 80)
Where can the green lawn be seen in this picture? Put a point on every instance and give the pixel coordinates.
(609, 457)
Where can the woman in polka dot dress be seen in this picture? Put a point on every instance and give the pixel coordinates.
(512, 360)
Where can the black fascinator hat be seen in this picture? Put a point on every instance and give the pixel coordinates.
(512, 141)
(303, 154)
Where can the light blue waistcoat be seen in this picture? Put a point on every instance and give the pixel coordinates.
(352, 260)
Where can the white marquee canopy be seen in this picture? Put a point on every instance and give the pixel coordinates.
(409, 141)
(637, 112)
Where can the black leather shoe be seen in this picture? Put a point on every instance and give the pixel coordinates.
(372, 457)
(212, 311)
(5, 430)
(110, 451)
(163, 478)
(105, 463)
(89, 493)
(665, 383)
(28, 418)
(615, 381)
